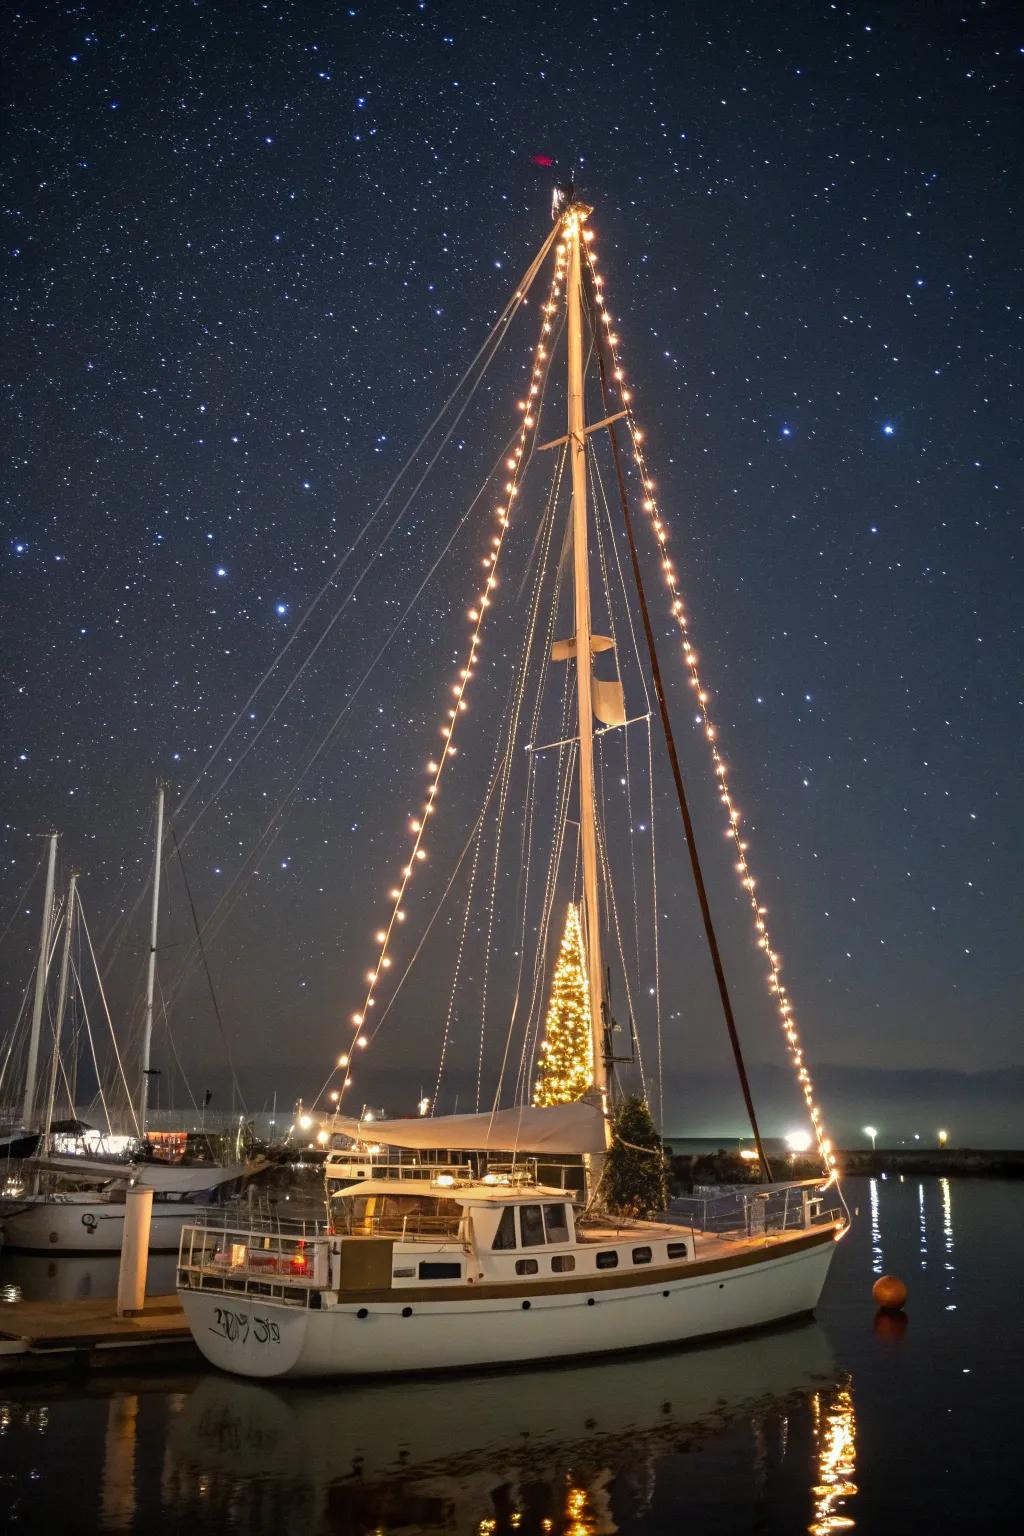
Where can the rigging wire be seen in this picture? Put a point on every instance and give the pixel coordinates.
(499, 331)
(501, 326)
(271, 829)
(106, 1010)
(209, 978)
(15, 910)
(92, 1049)
(513, 731)
(657, 943)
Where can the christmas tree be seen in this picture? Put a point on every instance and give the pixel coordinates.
(634, 1181)
(566, 1053)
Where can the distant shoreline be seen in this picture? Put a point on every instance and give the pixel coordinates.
(725, 1165)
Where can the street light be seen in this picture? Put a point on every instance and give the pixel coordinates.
(943, 1138)
(872, 1131)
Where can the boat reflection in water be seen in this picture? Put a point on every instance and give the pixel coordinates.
(562, 1450)
(77, 1277)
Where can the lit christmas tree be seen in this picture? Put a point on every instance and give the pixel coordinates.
(566, 1053)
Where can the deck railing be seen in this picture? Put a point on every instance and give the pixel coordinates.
(749, 1210)
(289, 1267)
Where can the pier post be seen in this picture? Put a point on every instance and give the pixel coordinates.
(131, 1277)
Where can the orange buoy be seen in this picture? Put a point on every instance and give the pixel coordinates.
(889, 1292)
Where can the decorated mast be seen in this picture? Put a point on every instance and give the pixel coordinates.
(573, 220)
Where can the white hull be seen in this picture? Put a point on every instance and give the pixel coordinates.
(255, 1336)
(83, 1225)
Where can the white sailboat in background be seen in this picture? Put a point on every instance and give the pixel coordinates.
(424, 1267)
(67, 1195)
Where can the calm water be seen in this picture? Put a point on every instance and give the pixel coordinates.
(846, 1423)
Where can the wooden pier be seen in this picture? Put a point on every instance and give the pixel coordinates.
(65, 1337)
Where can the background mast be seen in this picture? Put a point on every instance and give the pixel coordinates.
(42, 966)
(147, 1036)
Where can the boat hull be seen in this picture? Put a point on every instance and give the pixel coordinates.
(89, 1226)
(255, 1336)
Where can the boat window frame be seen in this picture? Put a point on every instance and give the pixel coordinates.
(530, 1240)
(527, 1267)
(550, 1229)
(644, 1255)
(677, 1251)
(608, 1258)
(506, 1228)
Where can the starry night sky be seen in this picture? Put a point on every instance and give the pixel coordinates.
(249, 250)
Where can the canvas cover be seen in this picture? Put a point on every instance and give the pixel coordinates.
(556, 1128)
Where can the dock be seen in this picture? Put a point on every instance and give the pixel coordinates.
(70, 1337)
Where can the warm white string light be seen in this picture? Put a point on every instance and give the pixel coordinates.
(733, 820)
(435, 767)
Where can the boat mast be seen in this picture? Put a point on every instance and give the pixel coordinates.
(42, 966)
(147, 1036)
(574, 217)
(62, 1000)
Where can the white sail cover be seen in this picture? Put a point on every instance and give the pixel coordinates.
(554, 1128)
(608, 701)
(162, 1178)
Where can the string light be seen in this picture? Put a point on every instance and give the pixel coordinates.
(784, 1007)
(566, 1052)
(436, 766)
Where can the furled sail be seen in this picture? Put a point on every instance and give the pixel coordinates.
(565, 650)
(608, 701)
(563, 1128)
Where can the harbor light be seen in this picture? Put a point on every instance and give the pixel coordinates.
(305, 1121)
(423, 1106)
(943, 1138)
(798, 1141)
(870, 1130)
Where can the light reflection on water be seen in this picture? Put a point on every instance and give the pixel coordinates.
(835, 1430)
(820, 1428)
(877, 1258)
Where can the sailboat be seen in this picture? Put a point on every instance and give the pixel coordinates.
(470, 1262)
(60, 1201)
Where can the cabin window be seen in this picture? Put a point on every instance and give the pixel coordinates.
(420, 1214)
(641, 1255)
(677, 1251)
(562, 1263)
(608, 1260)
(435, 1271)
(526, 1266)
(505, 1237)
(531, 1225)
(556, 1224)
